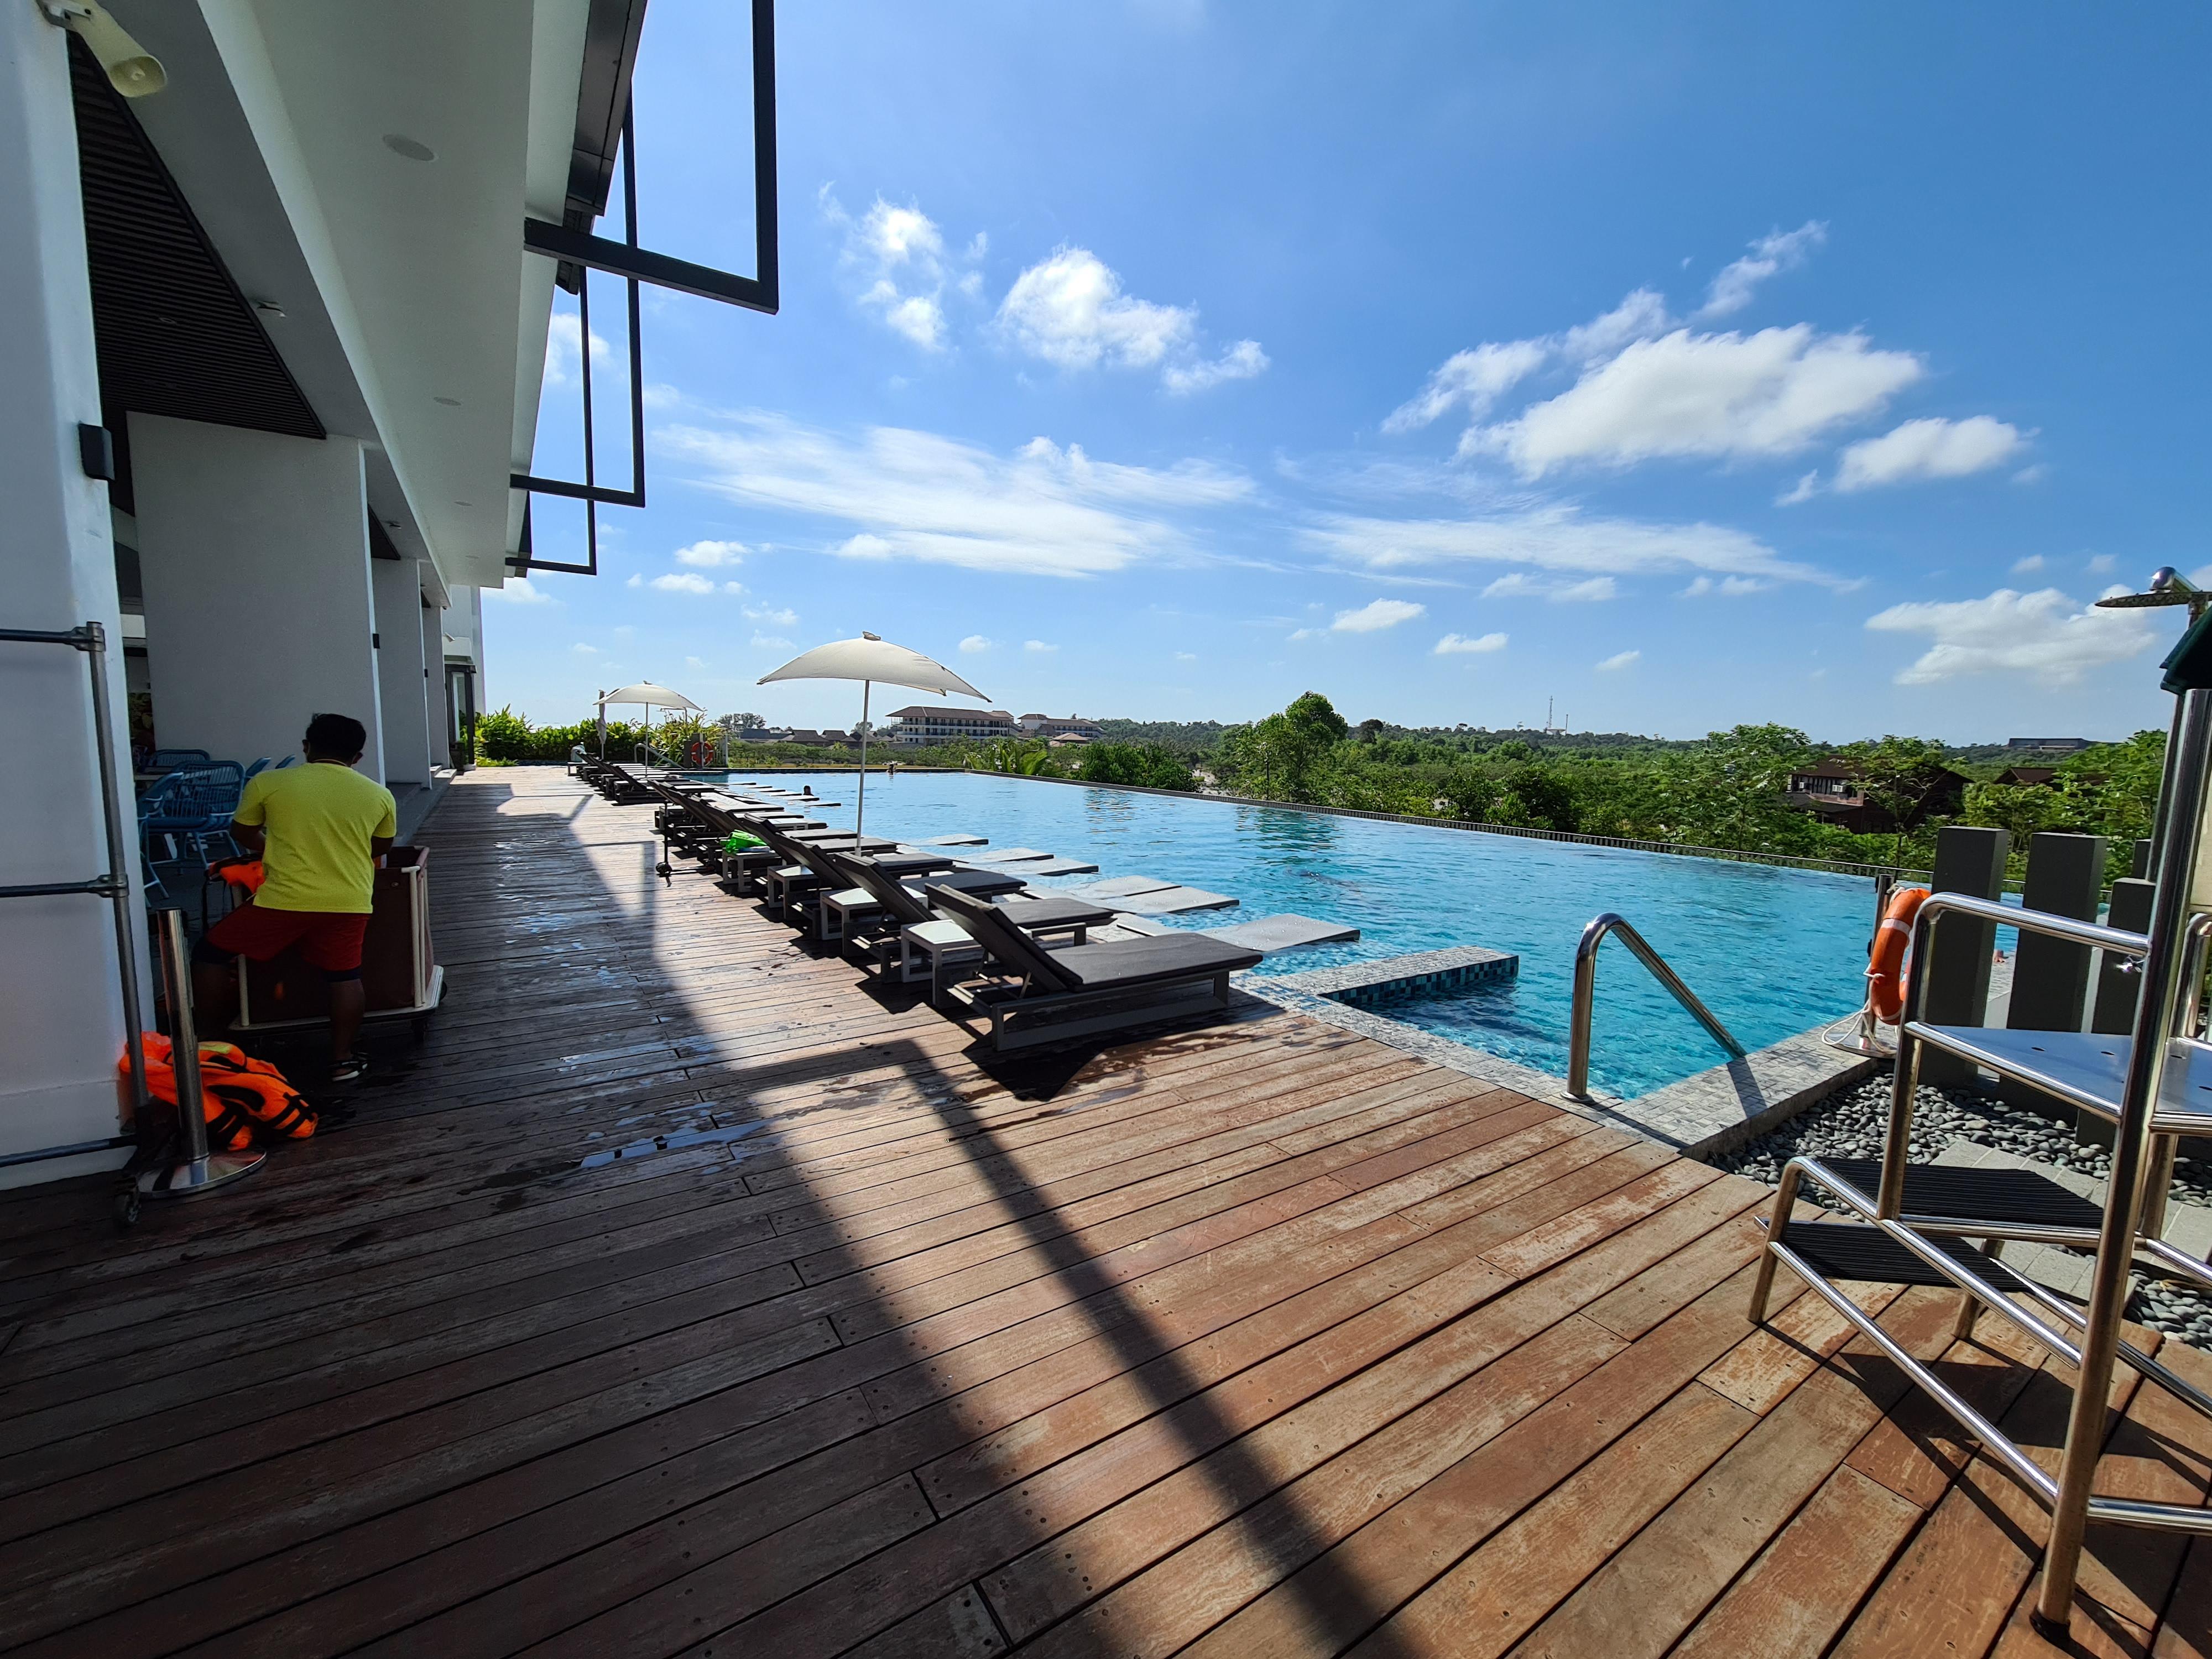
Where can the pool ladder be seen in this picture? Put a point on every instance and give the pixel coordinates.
(1578, 1038)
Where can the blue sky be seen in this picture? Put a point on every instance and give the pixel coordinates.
(1686, 365)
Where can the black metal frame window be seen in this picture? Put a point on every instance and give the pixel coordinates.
(587, 253)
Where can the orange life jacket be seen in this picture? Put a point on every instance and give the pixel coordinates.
(240, 873)
(238, 1095)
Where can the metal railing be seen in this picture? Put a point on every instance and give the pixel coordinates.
(1578, 1038)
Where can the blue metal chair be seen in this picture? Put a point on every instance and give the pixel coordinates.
(196, 804)
(261, 765)
(288, 759)
(167, 760)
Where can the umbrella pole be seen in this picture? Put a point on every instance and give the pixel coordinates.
(860, 811)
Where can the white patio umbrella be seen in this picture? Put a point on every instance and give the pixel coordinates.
(868, 659)
(651, 696)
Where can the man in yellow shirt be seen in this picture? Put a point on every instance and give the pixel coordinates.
(319, 830)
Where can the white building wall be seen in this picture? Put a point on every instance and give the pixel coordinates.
(61, 1010)
(397, 584)
(253, 548)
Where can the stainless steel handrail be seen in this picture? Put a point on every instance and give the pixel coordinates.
(2034, 921)
(1578, 1037)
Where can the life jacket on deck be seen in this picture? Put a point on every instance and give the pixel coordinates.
(240, 1096)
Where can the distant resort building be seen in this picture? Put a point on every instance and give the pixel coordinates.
(1831, 791)
(920, 723)
(1047, 727)
(2050, 745)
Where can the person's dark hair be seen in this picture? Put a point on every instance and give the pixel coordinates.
(339, 735)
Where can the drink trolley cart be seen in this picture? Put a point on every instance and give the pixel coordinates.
(401, 977)
(1912, 1225)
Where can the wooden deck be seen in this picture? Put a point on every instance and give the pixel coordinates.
(1263, 1340)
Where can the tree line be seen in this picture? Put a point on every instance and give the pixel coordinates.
(1729, 790)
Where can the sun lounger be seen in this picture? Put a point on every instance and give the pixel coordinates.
(1038, 996)
(922, 934)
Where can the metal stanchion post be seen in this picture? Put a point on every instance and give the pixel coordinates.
(199, 1170)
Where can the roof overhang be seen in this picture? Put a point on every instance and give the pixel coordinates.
(410, 316)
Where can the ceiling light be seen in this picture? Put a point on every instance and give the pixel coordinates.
(400, 144)
(450, 403)
(269, 307)
(131, 69)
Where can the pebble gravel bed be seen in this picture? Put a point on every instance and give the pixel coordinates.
(1853, 1123)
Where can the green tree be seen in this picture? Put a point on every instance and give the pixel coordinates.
(1148, 764)
(1282, 756)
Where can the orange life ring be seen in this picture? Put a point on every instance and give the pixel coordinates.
(1886, 979)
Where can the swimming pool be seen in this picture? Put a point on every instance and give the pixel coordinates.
(1771, 951)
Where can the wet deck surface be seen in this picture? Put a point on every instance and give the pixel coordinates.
(1263, 1340)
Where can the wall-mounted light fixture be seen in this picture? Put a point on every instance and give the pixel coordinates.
(131, 69)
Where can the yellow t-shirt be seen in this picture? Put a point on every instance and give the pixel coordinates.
(319, 817)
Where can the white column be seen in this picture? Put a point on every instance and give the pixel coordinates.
(398, 587)
(61, 1010)
(433, 687)
(253, 548)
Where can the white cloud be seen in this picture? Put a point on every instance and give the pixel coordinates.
(1638, 317)
(1557, 537)
(1186, 656)
(583, 650)
(1726, 396)
(1037, 646)
(1783, 249)
(1241, 362)
(695, 662)
(899, 255)
(1729, 587)
(1928, 449)
(711, 555)
(1596, 588)
(778, 615)
(1618, 661)
(1454, 645)
(770, 642)
(518, 590)
(2028, 475)
(974, 645)
(733, 588)
(1070, 310)
(2044, 636)
(1472, 379)
(1308, 634)
(2028, 566)
(636, 581)
(1805, 488)
(1042, 510)
(564, 333)
(1375, 616)
(2102, 565)
(682, 581)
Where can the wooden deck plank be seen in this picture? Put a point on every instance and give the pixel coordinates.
(1255, 1339)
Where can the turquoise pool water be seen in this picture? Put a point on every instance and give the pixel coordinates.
(1771, 951)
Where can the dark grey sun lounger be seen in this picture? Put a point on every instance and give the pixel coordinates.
(901, 909)
(1042, 996)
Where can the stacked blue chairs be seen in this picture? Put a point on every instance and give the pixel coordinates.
(168, 760)
(192, 806)
(261, 765)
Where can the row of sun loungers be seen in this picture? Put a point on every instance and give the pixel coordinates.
(1024, 962)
